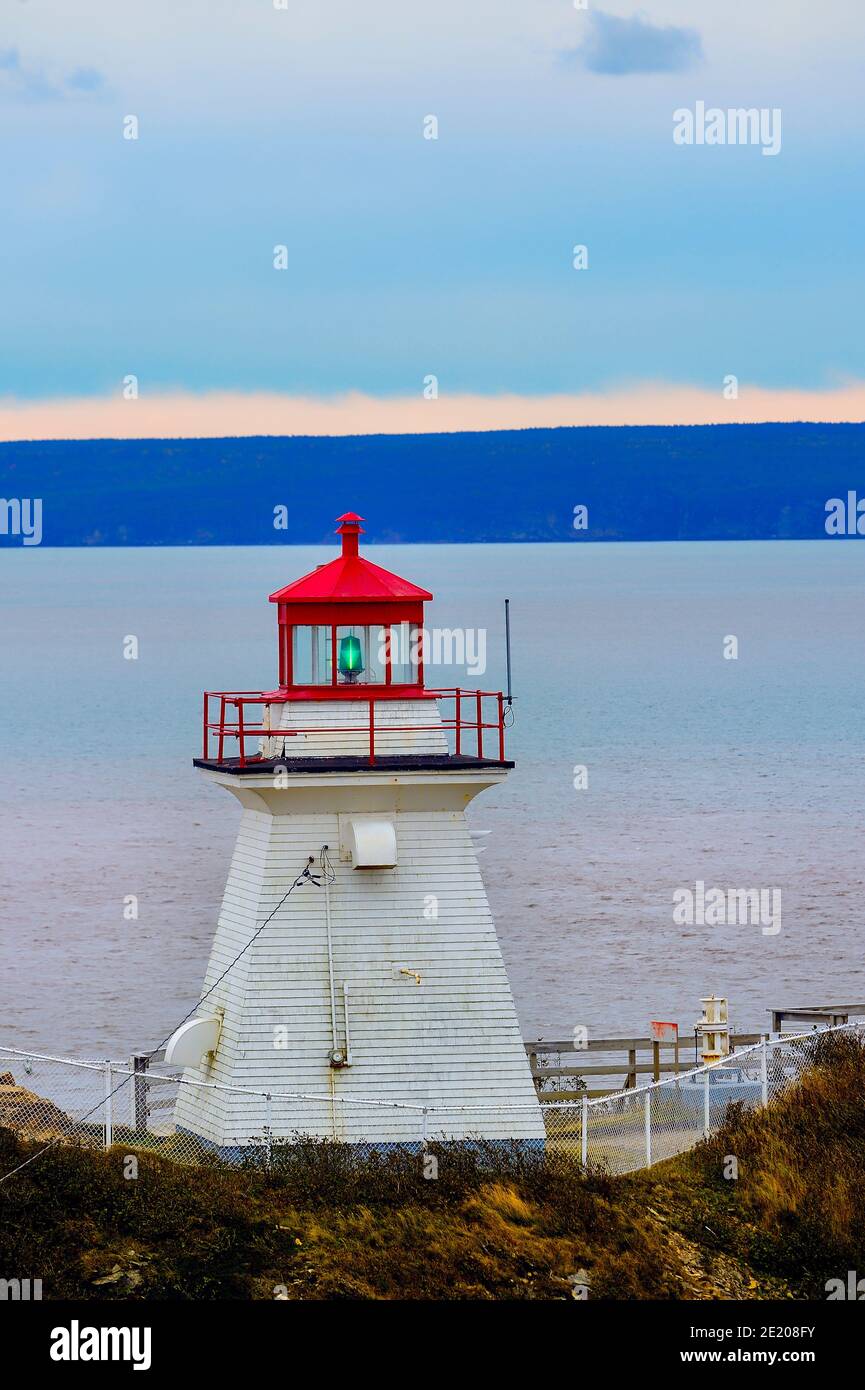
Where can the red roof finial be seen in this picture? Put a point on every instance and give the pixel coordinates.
(350, 529)
(351, 578)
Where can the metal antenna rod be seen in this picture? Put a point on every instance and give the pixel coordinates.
(508, 645)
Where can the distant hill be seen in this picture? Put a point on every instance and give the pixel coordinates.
(705, 482)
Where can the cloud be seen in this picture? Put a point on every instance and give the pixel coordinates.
(27, 82)
(617, 46)
(215, 414)
(85, 80)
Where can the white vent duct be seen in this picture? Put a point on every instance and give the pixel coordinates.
(372, 843)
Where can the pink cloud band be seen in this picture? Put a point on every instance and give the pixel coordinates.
(213, 414)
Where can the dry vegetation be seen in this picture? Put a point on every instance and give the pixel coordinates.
(493, 1225)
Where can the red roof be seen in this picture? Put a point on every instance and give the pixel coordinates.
(350, 578)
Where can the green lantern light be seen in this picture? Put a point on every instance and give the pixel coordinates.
(350, 658)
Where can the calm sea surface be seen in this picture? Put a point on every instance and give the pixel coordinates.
(745, 773)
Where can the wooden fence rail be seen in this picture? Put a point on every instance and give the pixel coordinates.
(551, 1060)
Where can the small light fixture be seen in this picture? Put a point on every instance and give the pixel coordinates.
(350, 658)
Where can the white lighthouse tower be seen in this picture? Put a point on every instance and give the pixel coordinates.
(355, 973)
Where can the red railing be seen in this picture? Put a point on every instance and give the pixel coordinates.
(471, 717)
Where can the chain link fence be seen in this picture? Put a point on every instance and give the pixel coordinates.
(639, 1127)
(102, 1104)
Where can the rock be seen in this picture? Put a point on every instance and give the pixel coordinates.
(129, 1278)
(29, 1115)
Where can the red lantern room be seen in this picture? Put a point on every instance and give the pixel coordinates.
(351, 625)
(352, 631)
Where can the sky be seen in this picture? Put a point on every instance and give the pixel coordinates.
(267, 123)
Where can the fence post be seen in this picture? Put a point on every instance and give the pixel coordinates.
(631, 1078)
(706, 1103)
(269, 1130)
(764, 1071)
(241, 735)
(140, 1063)
(109, 1128)
(584, 1132)
(648, 1109)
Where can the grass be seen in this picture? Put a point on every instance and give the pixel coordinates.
(797, 1208)
(493, 1225)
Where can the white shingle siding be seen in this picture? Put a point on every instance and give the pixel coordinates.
(452, 1040)
(391, 735)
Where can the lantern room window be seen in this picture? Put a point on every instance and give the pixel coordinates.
(404, 639)
(312, 655)
(360, 655)
(354, 654)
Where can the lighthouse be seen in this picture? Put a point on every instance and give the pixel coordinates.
(355, 979)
